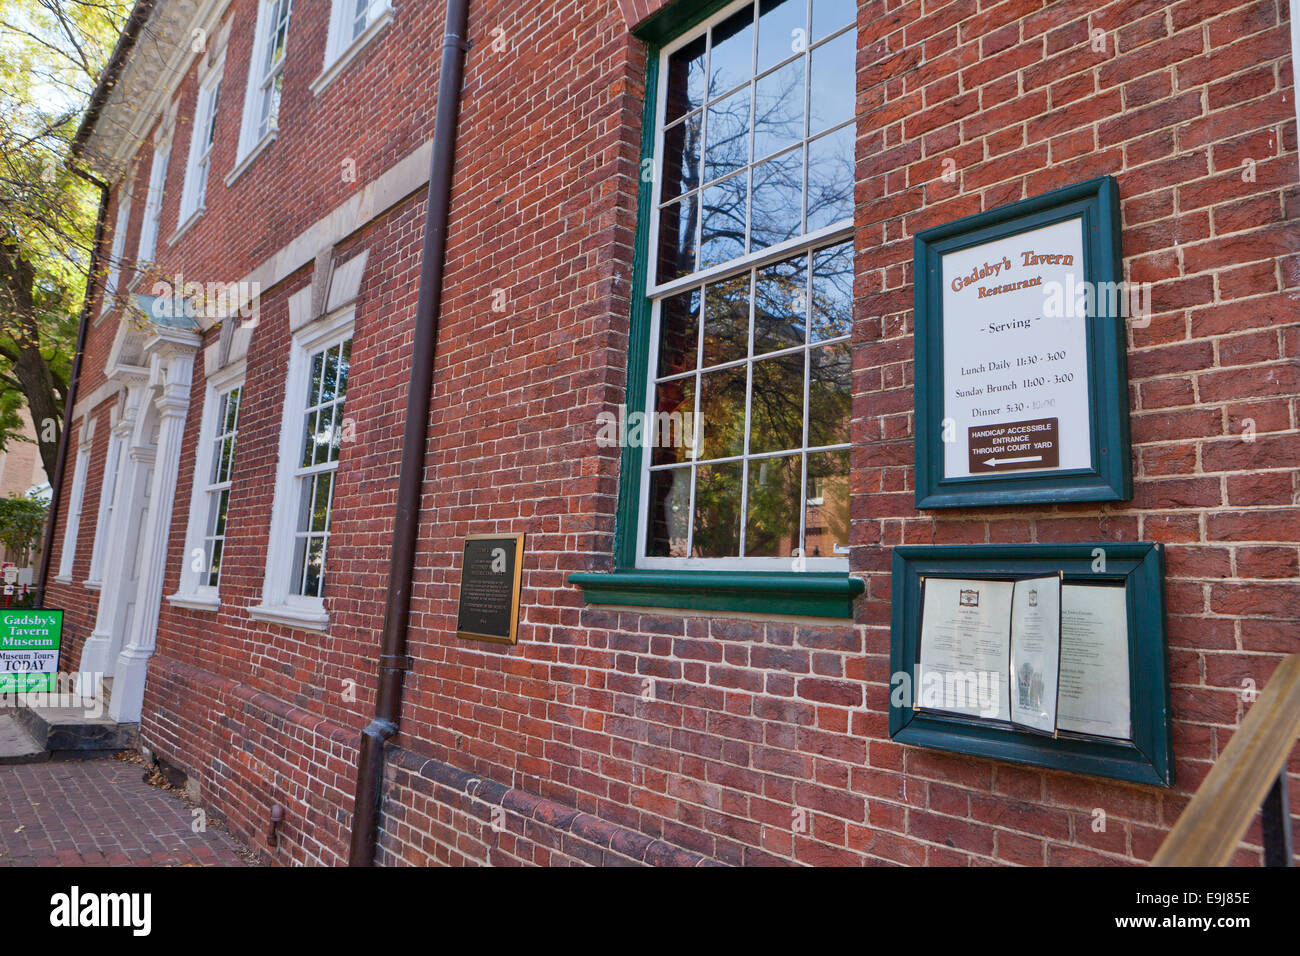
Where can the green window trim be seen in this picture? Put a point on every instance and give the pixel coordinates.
(805, 594)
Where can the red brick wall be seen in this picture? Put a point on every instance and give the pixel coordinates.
(764, 740)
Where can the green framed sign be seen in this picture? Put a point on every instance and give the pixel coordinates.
(1109, 691)
(30, 641)
(1020, 376)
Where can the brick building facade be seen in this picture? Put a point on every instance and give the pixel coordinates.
(683, 727)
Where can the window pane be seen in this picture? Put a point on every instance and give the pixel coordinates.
(214, 563)
(833, 89)
(345, 366)
(324, 435)
(681, 157)
(322, 496)
(717, 511)
(686, 79)
(781, 31)
(776, 405)
(679, 330)
(731, 60)
(313, 386)
(329, 375)
(726, 148)
(829, 395)
(670, 511)
(677, 239)
(309, 440)
(723, 230)
(826, 505)
(772, 521)
(778, 200)
(670, 430)
(314, 575)
(726, 320)
(830, 15)
(778, 110)
(830, 178)
(832, 291)
(779, 305)
(722, 413)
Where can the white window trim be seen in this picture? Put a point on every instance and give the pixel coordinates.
(205, 104)
(151, 224)
(191, 592)
(278, 604)
(250, 144)
(107, 502)
(75, 501)
(118, 250)
(340, 52)
(658, 292)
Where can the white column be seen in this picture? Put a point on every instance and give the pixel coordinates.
(133, 463)
(171, 362)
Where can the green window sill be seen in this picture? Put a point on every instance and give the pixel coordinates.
(806, 594)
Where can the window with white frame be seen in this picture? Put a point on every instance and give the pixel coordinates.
(750, 284)
(153, 203)
(310, 442)
(107, 501)
(352, 23)
(75, 500)
(221, 452)
(214, 460)
(265, 75)
(321, 427)
(202, 136)
(118, 249)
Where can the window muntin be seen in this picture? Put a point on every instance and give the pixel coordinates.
(761, 154)
(217, 492)
(751, 291)
(271, 68)
(318, 454)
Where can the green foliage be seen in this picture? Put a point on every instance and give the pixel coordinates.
(51, 52)
(22, 520)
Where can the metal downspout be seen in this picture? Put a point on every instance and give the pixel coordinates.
(393, 661)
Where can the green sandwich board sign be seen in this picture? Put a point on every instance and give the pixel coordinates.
(29, 650)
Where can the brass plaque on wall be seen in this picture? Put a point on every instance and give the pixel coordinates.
(491, 570)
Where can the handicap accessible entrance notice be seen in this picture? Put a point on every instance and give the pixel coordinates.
(29, 650)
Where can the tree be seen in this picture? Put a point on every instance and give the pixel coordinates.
(21, 521)
(51, 52)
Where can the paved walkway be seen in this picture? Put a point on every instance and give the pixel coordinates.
(100, 812)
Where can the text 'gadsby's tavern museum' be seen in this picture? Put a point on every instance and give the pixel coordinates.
(761, 431)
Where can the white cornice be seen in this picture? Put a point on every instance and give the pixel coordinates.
(159, 61)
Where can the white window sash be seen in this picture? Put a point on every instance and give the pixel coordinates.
(153, 204)
(194, 589)
(107, 502)
(279, 603)
(194, 193)
(75, 501)
(118, 250)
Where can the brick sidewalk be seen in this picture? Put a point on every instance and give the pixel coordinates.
(99, 813)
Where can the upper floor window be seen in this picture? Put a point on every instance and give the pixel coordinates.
(118, 250)
(750, 289)
(202, 138)
(153, 203)
(352, 24)
(265, 75)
